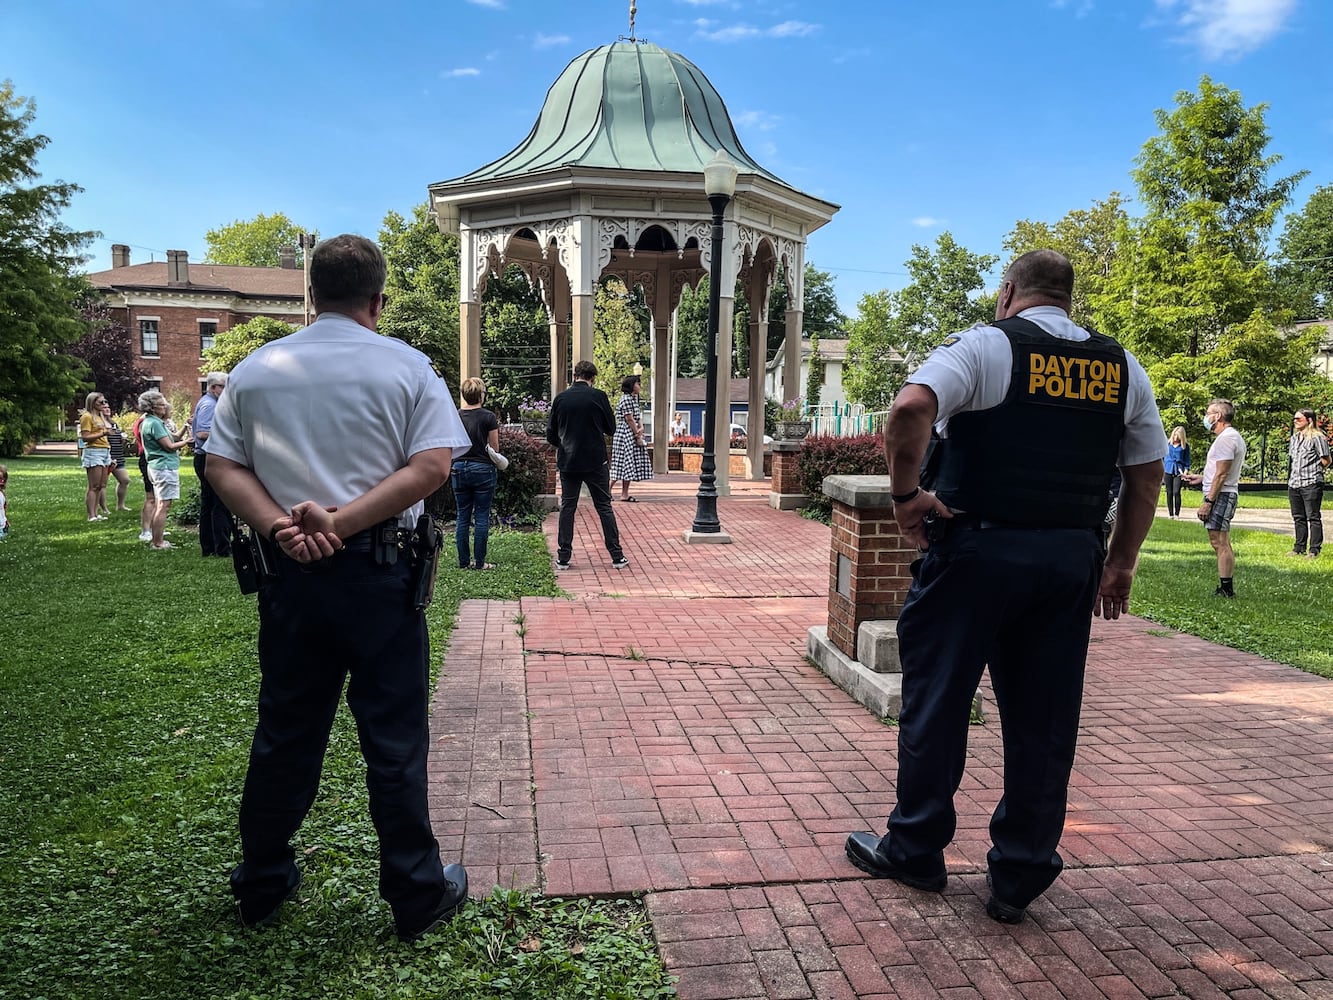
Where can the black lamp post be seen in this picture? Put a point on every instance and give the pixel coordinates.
(720, 185)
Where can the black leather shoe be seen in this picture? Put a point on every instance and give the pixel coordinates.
(261, 913)
(1000, 911)
(863, 851)
(455, 895)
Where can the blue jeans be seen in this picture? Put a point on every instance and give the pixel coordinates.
(474, 492)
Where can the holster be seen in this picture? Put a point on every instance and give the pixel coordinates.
(424, 549)
(252, 558)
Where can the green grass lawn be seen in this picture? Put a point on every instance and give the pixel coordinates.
(128, 681)
(1274, 499)
(1284, 606)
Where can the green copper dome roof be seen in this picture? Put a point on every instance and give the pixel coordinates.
(628, 106)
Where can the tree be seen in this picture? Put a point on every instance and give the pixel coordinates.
(109, 355)
(257, 242)
(814, 376)
(692, 331)
(1090, 238)
(422, 321)
(39, 293)
(231, 347)
(1190, 290)
(620, 339)
(894, 331)
(821, 316)
(1195, 264)
(422, 287)
(515, 341)
(1306, 269)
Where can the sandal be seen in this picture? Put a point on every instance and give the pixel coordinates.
(486, 566)
(629, 499)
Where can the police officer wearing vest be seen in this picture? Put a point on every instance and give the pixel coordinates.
(322, 439)
(1033, 414)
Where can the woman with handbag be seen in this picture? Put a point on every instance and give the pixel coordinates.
(473, 476)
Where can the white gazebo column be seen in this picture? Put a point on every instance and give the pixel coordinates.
(791, 355)
(726, 319)
(582, 267)
(662, 375)
(754, 427)
(469, 309)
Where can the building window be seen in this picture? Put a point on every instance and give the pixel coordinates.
(208, 330)
(148, 337)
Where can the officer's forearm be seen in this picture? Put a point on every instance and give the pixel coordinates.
(242, 493)
(907, 433)
(424, 473)
(1137, 506)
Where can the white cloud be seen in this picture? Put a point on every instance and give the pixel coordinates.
(792, 29)
(492, 4)
(927, 222)
(460, 71)
(1223, 28)
(760, 120)
(549, 41)
(709, 31)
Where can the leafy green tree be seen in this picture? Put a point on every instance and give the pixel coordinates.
(231, 347)
(814, 376)
(1306, 269)
(1090, 238)
(1190, 290)
(39, 293)
(255, 242)
(420, 257)
(822, 315)
(1194, 265)
(421, 320)
(620, 340)
(894, 331)
(692, 331)
(515, 342)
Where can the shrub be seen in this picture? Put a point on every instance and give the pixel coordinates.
(837, 456)
(185, 511)
(516, 489)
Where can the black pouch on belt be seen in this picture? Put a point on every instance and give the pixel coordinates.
(427, 540)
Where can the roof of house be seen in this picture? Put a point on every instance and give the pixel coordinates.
(691, 390)
(630, 105)
(228, 279)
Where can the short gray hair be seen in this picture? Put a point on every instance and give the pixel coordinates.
(216, 378)
(150, 398)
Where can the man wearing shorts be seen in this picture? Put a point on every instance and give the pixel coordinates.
(1221, 488)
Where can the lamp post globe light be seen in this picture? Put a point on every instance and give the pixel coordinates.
(719, 185)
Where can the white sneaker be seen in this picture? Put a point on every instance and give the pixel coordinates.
(164, 545)
(145, 536)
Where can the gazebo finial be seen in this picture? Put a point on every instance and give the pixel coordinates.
(633, 9)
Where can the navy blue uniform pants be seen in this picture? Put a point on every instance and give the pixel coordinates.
(214, 518)
(598, 482)
(315, 631)
(1021, 602)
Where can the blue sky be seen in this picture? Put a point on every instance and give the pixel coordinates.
(915, 117)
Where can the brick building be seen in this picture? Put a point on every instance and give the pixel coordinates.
(173, 309)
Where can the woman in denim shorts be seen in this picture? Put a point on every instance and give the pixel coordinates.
(96, 453)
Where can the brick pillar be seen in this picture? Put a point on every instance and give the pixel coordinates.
(785, 491)
(869, 565)
(551, 477)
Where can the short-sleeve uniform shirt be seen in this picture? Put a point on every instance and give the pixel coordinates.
(332, 410)
(972, 370)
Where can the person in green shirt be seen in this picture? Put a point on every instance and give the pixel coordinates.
(163, 447)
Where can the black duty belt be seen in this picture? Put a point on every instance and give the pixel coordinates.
(364, 541)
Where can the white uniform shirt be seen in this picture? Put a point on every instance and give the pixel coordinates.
(330, 411)
(1227, 445)
(972, 372)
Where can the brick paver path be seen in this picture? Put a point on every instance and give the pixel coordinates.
(661, 732)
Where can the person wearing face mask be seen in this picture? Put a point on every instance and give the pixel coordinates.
(1221, 488)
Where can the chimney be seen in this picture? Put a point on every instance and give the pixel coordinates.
(178, 267)
(120, 255)
(287, 258)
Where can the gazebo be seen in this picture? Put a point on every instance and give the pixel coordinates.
(609, 182)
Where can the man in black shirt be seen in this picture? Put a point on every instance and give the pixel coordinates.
(581, 420)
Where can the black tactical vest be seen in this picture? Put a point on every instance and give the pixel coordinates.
(1044, 457)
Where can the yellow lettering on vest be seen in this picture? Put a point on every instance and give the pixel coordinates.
(1037, 363)
(1035, 381)
(1113, 372)
(1097, 370)
(1052, 365)
(1113, 391)
(1097, 391)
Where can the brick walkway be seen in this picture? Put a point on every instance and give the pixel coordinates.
(661, 732)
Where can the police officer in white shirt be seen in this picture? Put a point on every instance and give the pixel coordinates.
(321, 440)
(1033, 413)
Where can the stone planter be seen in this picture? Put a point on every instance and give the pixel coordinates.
(535, 426)
(793, 430)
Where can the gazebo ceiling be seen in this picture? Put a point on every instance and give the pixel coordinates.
(628, 106)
